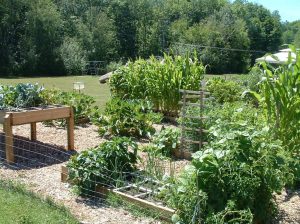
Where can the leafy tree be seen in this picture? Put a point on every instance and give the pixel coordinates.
(264, 27)
(12, 28)
(105, 43)
(291, 34)
(222, 30)
(73, 56)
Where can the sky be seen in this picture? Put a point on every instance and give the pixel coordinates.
(288, 9)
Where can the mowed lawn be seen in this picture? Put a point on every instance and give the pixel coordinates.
(92, 86)
(17, 205)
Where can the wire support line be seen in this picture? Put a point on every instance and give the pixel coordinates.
(218, 48)
(87, 192)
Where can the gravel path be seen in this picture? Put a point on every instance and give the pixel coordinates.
(42, 175)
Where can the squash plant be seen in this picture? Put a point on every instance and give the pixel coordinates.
(127, 118)
(108, 165)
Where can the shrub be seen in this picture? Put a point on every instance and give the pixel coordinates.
(224, 91)
(158, 81)
(104, 165)
(127, 118)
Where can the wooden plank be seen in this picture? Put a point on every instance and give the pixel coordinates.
(194, 92)
(193, 117)
(105, 77)
(64, 174)
(192, 104)
(39, 115)
(33, 131)
(2, 115)
(70, 126)
(163, 212)
(196, 129)
(9, 141)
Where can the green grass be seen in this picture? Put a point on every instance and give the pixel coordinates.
(92, 86)
(17, 205)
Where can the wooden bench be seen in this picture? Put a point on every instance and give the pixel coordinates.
(32, 116)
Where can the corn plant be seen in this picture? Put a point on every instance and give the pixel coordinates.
(280, 94)
(158, 81)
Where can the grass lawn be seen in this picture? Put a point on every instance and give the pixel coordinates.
(92, 86)
(17, 205)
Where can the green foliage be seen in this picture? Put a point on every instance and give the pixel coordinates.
(20, 96)
(224, 91)
(166, 141)
(280, 90)
(291, 34)
(280, 96)
(158, 81)
(82, 104)
(263, 27)
(37, 35)
(237, 172)
(73, 56)
(105, 165)
(213, 32)
(127, 118)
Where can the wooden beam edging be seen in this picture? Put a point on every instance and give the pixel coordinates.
(164, 213)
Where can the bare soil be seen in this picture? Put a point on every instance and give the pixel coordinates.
(41, 173)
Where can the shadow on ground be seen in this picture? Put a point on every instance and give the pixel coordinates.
(34, 154)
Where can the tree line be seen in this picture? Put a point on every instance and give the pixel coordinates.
(57, 37)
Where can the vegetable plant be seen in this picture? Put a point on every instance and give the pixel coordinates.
(232, 180)
(223, 90)
(166, 141)
(20, 96)
(83, 105)
(158, 81)
(108, 164)
(127, 118)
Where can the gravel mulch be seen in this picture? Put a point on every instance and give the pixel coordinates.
(42, 175)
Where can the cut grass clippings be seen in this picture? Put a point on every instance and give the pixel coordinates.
(18, 205)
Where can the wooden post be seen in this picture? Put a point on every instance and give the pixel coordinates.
(70, 126)
(10, 157)
(182, 148)
(33, 131)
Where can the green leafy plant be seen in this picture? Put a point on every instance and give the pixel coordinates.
(234, 177)
(224, 91)
(107, 165)
(83, 105)
(158, 81)
(279, 94)
(166, 141)
(20, 96)
(127, 118)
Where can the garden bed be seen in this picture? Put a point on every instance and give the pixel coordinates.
(47, 181)
(31, 116)
(142, 194)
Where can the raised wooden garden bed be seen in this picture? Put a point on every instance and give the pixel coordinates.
(137, 194)
(32, 116)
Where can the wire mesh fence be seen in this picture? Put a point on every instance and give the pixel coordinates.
(44, 164)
